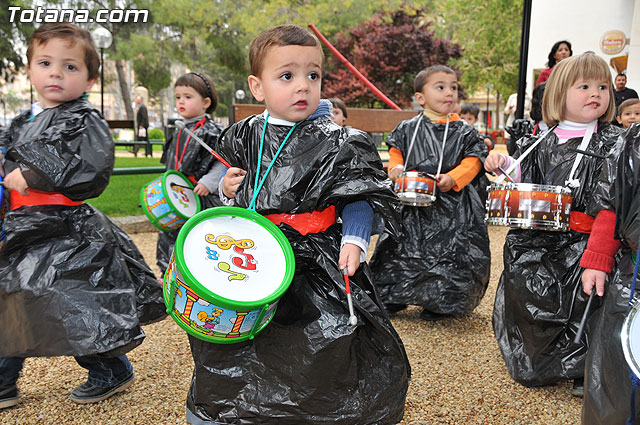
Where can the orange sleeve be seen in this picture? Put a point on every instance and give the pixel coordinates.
(465, 172)
(395, 158)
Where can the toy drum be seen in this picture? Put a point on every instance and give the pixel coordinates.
(630, 338)
(529, 206)
(169, 201)
(415, 188)
(229, 268)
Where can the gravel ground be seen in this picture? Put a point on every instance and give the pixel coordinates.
(459, 376)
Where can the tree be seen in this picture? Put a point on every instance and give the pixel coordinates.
(389, 49)
(12, 36)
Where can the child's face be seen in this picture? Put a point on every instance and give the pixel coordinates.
(439, 93)
(190, 103)
(338, 116)
(630, 115)
(290, 81)
(587, 100)
(58, 72)
(469, 118)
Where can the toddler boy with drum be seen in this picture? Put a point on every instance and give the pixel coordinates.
(441, 260)
(296, 166)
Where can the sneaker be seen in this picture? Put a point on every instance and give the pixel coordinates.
(9, 396)
(89, 393)
(431, 316)
(578, 387)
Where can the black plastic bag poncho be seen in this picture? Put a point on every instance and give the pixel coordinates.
(607, 386)
(539, 300)
(73, 283)
(196, 162)
(441, 260)
(308, 366)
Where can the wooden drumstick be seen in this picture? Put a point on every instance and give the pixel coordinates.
(181, 126)
(179, 185)
(576, 340)
(353, 321)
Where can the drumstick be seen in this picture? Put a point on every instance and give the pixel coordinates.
(179, 185)
(181, 126)
(506, 175)
(584, 318)
(353, 321)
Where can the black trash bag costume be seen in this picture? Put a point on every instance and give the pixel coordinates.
(196, 162)
(607, 395)
(441, 260)
(308, 366)
(539, 300)
(73, 283)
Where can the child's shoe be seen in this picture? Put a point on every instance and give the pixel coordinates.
(394, 308)
(9, 396)
(578, 387)
(88, 393)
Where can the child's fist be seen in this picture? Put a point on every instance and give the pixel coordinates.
(445, 183)
(231, 181)
(493, 161)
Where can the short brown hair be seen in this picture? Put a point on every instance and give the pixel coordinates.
(282, 35)
(586, 66)
(627, 103)
(202, 84)
(71, 33)
(423, 76)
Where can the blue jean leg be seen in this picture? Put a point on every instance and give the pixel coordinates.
(106, 371)
(10, 368)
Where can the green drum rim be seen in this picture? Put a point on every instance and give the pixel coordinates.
(170, 202)
(143, 204)
(213, 298)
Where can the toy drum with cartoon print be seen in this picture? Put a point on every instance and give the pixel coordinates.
(169, 201)
(529, 206)
(630, 337)
(415, 188)
(229, 268)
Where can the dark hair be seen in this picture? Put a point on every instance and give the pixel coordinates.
(536, 102)
(282, 35)
(470, 108)
(202, 84)
(622, 74)
(552, 54)
(337, 103)
(624, 105)
(423, 76)
(72, 33)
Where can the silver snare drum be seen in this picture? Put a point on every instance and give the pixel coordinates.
(415, 188)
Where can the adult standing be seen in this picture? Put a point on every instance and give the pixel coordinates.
(142, 125)
(622, 92)
(560, 50)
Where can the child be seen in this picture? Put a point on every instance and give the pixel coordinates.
(441, 260)
(539, 303)
(73, 282)
(308, 366)
(607, 377)
(339, 111)
(628, 112)
(469, 113)
(195, 98)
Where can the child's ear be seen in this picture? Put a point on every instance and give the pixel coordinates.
(619, 119)
(90, 84)
(255, 85)
(420, 98)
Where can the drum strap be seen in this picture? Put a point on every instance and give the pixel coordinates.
(634, 379)
(571, 182)
(38, 197)
(195, 127)
(524, 155)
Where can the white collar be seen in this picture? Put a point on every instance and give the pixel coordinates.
(570, 125)
(277, 121)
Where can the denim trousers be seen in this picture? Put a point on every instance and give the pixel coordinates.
(103, 371)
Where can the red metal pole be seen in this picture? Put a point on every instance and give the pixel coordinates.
(353, 69)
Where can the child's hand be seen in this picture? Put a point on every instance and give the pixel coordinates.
(231, 181)
(350, 258)
(488, 143)
(493, 161)
(591, 278)
(395, 172)
(445, 183)
(201, 190)
(15, 181)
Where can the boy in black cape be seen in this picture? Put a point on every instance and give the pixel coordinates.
(73, 283)
(309, 365)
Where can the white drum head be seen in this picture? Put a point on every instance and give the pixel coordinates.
(182, 198)
(630, 338)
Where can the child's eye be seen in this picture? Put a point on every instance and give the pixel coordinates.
(287, 76)
(44, 63)
(604, 87)
(584, 86)
(70, 67)
(314, 76)
(439, 87)
(454, 88)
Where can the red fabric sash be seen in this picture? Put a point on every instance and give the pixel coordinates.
(313, 222)
(38, 197)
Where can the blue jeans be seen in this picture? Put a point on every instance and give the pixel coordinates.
(103, 371)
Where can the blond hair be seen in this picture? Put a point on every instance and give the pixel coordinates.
(586, 66)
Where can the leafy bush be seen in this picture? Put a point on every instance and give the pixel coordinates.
(156, 133)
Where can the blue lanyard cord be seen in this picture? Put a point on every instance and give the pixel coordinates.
(257, 187)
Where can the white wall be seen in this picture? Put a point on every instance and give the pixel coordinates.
(582, 23)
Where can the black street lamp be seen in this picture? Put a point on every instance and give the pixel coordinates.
(103, 39)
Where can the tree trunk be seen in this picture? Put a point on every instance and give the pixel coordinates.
(124, 89)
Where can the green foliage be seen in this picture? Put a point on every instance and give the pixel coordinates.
(156, 133)
(12, 34)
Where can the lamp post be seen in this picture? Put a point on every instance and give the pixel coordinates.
(103, 39)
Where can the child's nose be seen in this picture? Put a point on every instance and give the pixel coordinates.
(303, 84)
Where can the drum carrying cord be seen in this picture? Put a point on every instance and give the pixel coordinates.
(444, 142)
(525, 154)
(257, 187)
(571, 182)
(634, 379)
(413, 138)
